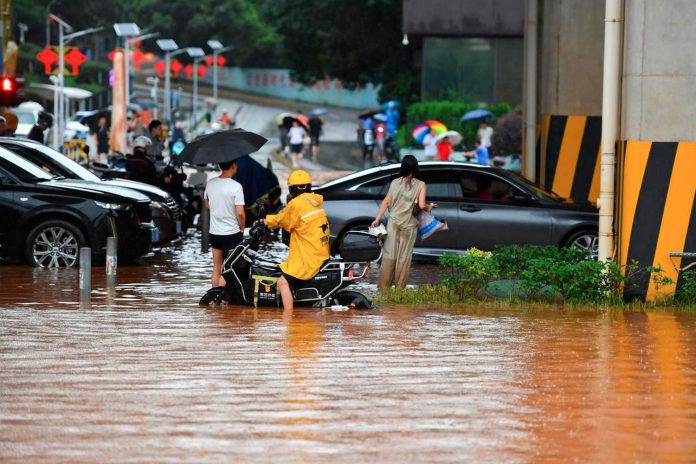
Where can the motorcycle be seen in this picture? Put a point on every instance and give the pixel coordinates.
(251, 280)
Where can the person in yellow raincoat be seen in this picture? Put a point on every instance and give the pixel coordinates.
(308, 225)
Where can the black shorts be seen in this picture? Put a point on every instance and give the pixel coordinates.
(315, 140)
(226, 242)
(294, 282)
(296, 147)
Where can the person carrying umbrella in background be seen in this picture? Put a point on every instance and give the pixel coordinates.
(223, 195)
(315, 126)
(392, 121)
(485, 133)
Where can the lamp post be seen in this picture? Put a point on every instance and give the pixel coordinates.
(197, 54)
(59, 96)
(127, 30)
(154, 81)
(217, 48)
(170, 48)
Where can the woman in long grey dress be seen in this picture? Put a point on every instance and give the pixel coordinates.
(402, 228)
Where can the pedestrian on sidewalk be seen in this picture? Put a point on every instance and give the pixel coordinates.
(296, 135)
(101, 137)
(155, 149)
(430, 145)
(402, 229)
(485, 133)
(39, 129)
(224, 197)
(315, 127)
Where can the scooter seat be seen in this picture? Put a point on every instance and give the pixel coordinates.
(266, 271)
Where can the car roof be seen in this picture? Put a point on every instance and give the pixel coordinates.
(388, 168)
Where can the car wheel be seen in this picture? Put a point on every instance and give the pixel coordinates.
(585, 240)
(54, 244)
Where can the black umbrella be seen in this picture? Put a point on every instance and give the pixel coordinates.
(220, 147)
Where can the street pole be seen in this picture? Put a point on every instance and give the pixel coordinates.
(127, 70)
(215, 76)
(61, 85)
(167, 101)
(194, 109)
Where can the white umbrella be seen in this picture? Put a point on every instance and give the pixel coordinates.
(454, 137)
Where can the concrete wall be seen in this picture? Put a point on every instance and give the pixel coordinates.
(463, 18)
(659, 73)
(571, 56)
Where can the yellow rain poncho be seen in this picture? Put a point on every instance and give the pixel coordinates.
(308, 225)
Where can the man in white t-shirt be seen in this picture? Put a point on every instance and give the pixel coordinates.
(485, 133)
(224, 197)
(296, 136)
(430, 145)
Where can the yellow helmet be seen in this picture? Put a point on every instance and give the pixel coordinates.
(299, 177)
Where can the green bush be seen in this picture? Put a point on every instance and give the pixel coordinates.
(687, 293)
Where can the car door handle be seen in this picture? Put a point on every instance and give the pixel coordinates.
(470, 208)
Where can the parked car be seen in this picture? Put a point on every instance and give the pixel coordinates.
(46, 219)
(484, 206)
(166, 213)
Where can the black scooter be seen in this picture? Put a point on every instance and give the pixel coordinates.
(253, 281)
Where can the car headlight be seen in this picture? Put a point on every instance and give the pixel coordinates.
(105, 205)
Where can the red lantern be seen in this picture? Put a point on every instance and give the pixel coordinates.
(188, 70)
(176, 67)
(209, 60)
(202, 69)
(75, 58)
(221, 60)
(47, 57)
(113, 53)
(137, 58)
(160, 66)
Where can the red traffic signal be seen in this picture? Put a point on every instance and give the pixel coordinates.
(7, 85)
(8, 91)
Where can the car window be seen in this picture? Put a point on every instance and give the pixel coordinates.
(52, 161)
(484, 186)
(25, 117)
(6, 179)
(22, 168)
(441, 184)
(377, 187)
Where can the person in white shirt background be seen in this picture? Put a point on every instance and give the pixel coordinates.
(224, 197)
(430, 145)
(485, 133)
(296, 134)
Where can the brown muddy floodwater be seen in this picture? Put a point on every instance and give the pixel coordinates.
(142, 374)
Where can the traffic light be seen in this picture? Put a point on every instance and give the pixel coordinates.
(8, 91)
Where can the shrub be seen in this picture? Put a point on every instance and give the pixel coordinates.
(507, 135)
(687, 293)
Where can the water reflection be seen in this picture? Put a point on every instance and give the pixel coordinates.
(142, 373)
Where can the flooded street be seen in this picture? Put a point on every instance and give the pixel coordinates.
(142, 374)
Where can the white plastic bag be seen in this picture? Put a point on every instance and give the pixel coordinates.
(428, 225)
(380, 231)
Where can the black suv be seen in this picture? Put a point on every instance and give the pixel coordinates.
(166, 214)
(46, 219)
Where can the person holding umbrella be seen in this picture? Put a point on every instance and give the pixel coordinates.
(223, 195)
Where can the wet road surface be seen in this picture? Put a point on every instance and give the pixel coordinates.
(142, 374)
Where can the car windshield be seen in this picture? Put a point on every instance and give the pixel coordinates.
(538, 191)
(57, 163)
(22, 168)
(25, 117)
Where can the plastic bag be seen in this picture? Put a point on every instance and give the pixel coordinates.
(428, 225)
(380, 231)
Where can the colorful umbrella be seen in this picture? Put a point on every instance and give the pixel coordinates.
(422, 130)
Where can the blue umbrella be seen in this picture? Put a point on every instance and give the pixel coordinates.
(380, 117)
(318, 112)
(474, 115)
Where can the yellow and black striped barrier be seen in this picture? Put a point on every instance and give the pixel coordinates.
(74, 149)
(657, 218)
(570, 149)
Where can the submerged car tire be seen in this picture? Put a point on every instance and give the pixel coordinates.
(212, 296)
(54, 243)
(587, 240)
(354, 300)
